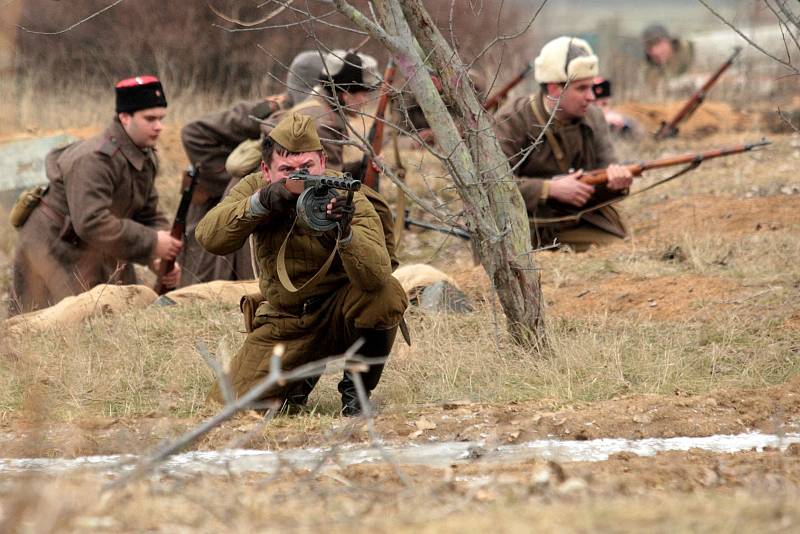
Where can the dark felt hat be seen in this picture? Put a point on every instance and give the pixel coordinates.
(141, 92)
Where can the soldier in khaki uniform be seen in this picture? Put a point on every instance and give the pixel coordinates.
(576, 141)
(208, 141)
(100, 214)
(667, 60)
(357, 297)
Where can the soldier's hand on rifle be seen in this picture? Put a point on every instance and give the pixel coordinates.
(276, 198)
(567, 188)
(172, 278)
(619, 177)
(167, 247)
(340, 211)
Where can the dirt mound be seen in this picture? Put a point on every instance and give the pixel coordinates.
(665, 298)
(711, 117)
(720, 215)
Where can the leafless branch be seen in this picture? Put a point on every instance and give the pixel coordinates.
(219, 373)
(752, 43)
(250, 24)
(65, 30)
(275, 377)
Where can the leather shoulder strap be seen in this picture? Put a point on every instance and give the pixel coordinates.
(283, 274)
(558, 152)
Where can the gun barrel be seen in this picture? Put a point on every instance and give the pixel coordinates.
(428, 226)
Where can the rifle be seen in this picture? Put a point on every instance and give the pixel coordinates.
(369, 175)
(494, 101)
(670, 129)
(408, 222)
(693, 159)
(178, 226)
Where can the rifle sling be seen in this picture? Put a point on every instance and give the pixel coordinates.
(283, 274)
(558, 152)
(577, 216)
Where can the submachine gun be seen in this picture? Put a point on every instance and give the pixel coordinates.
(319, 190)
(179, 225)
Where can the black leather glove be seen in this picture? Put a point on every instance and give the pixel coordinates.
(342, 213)
(276, 198)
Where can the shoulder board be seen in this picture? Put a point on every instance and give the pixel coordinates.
(109, 146)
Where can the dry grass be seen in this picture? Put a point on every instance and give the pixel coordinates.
(143, 362)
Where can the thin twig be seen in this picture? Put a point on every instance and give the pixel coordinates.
(222, 378)
(65, 30)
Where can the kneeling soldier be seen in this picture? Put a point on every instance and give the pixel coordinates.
(357, 297)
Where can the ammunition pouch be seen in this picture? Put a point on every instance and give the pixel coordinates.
(249, 305)
(25, 204)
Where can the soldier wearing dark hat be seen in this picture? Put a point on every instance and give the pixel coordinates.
(354, 297)
(208, 141)
(100, 214)
(666, 57)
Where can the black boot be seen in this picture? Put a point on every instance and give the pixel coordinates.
(297, 398)
(377, 344)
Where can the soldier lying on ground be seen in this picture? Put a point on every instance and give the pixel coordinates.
(100, 214)
(577, 140)
(208, 142)
(356, 298)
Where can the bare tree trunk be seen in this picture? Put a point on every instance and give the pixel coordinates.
(494, 210)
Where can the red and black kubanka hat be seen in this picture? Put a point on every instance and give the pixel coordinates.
(141, 92)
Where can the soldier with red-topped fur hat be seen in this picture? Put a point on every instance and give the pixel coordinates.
(100, 213)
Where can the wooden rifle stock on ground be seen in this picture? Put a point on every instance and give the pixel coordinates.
(369, 176)
(494, 101)
(600, 176)
(670, 129)
(178, 226)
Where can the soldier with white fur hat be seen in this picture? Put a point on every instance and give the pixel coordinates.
(577, 140)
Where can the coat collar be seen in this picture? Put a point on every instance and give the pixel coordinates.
(117, 135)
(557, 123)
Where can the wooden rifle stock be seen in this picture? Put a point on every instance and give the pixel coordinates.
(369, 176)
(670, 129)
(178, 226)
(494, 101)
(600, 176)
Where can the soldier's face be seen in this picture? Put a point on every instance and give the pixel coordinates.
(575, 97)
(282, 166)
(144, 126)
(356, 100)
(661, 52)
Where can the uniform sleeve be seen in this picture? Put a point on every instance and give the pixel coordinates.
(89, 186)
(208, 140)
(387, 222)
(227, 226)
(365, 258)
(512, 127)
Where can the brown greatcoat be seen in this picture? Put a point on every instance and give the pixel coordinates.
(99, 216)
(357, 292)
(207, 142)
(586, 145)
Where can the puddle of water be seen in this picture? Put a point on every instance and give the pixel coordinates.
(431, 454)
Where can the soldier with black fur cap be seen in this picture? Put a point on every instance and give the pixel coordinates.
(100, 214)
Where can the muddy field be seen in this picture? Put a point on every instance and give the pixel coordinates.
(688, 329)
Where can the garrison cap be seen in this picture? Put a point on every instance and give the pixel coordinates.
(296, 133)
(140, 92)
